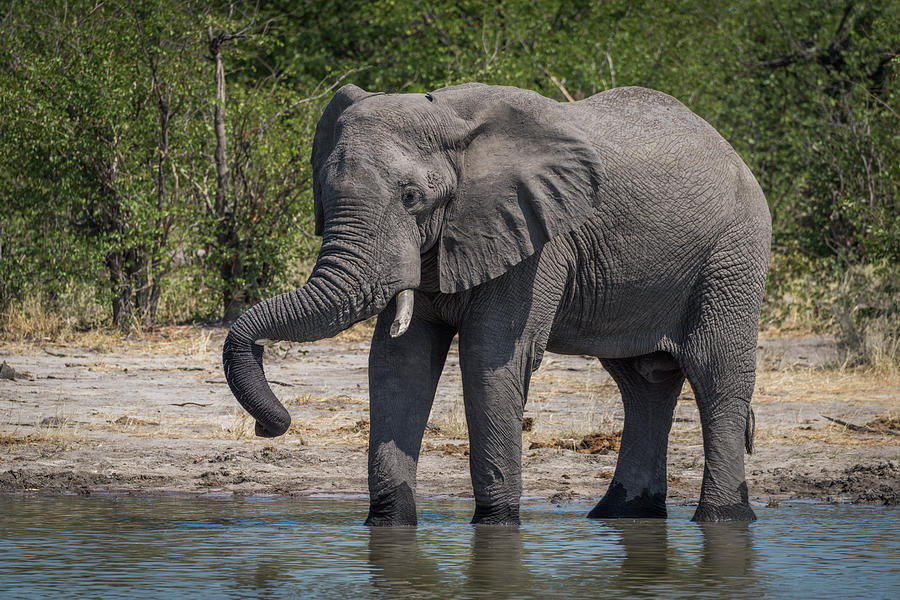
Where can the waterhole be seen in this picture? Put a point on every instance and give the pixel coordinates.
(318, 548)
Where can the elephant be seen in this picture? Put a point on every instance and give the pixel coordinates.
(620, 226)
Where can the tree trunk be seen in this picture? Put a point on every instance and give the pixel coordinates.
(122, 297)
(219, 126)
(234, 296)
(232, 303)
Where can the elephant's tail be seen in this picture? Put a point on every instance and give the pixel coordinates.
(750, 431)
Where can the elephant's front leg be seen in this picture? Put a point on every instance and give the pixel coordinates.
(494, 399)
(403, 376)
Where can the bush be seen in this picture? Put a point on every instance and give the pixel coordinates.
(39, 316)
(866, 313)
(858, 303)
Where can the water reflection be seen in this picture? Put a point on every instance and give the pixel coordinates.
(264, 575)
(496, 562)
(400, 563)
(727, 550)
(723, 563)
(644, 546)
(396, 563)
(317, 549)
(622, 557)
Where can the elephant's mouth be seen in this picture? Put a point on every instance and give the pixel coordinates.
(430, 227)
(430, 233)
(429, 280)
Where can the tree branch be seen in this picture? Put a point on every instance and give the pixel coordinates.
(552, 77)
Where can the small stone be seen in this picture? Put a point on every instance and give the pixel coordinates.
(6, 371)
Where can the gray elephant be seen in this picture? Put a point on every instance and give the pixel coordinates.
(621, 226)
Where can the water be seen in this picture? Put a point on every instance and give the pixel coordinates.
(280, 548)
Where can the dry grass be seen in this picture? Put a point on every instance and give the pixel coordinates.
(360, 428)
(29, 324)
(58, 435)
(29, 319)
(859, 304)
(594, 443)
(850, 388)
(586, 383)
(129, 423)
(601, 414)
(830, 434)
(891, 421)
(323, 402)
(452, 425)
(241, 426)
(52, 434)
(184, 340)
(361, 332)
(812, 385)
(447, 448)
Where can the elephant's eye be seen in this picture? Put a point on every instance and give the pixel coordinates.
(411, 196)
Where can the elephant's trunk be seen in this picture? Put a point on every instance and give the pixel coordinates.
(331, 301)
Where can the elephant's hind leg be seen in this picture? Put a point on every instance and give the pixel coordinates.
(723, 387)
(649, 385)
(719, 359)
(403, 376)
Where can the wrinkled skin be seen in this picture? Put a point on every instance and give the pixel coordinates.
(621, 226)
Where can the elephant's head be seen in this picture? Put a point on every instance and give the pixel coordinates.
(476, 178)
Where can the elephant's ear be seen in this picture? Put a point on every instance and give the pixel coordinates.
(527, 174)
(324, 141)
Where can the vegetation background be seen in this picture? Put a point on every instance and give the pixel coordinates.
(154, 154)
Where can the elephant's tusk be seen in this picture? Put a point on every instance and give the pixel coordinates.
(264, 342)
(404, 313)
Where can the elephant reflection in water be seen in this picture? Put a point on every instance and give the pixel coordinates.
(725, 563)
(646, 547)
(401, 568)
(397, 564)
(727, 550)
(498, 564)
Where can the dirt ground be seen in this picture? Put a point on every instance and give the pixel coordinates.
(156, 417)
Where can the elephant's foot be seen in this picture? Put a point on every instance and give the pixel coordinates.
(498, 514)
(396, 508)
(615, 505)
(708, 512)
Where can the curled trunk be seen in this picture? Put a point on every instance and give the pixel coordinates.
(330, 302)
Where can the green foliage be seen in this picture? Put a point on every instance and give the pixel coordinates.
(98, 197)
(87, 162)
(107, 159)
(266, 225)
(821, 129)
(806, 93)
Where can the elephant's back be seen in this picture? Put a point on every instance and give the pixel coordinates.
(658, 157)
(669, 188)
(645, 113)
